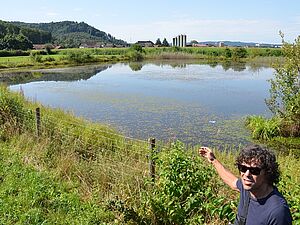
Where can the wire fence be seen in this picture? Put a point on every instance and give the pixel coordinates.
(119, 163)
(94, 154)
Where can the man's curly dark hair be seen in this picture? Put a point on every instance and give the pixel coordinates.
(265, 159)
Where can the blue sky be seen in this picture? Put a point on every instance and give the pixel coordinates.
(132, 20)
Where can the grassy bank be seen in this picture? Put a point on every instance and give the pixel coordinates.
(71, 171)
(41, 59)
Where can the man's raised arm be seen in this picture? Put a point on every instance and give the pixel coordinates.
(229, 178)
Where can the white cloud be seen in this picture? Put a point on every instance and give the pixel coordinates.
(52, 14)
(78, 10)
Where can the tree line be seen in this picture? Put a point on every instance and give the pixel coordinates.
(72, 34)
(13, 37)
(22, 36)
(164, 43)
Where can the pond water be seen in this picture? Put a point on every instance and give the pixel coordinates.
(196, 103)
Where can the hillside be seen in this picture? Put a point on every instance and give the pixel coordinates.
(72, 34)
(16, 37)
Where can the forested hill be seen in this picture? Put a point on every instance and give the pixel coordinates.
(15, 37)
(72, 34)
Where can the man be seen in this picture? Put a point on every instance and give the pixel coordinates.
(260, 202)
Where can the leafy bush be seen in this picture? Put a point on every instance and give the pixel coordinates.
(184, 192)
(239, 53)
(136, 47)
(6, 53)
(135, 52)
(78, 57)
(284, 98)
(135, 55)
(49, 59)
(227, 53)
(36, 57)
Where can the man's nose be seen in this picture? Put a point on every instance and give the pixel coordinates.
(247, 173)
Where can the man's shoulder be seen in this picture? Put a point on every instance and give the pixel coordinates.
(281, 215)
(277, 199)
(278, 208)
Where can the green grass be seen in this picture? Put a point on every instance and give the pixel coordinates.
(60, 57)
(15, 59)
(78, 172)
(31, 196)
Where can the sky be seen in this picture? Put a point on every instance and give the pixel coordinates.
(256, 21)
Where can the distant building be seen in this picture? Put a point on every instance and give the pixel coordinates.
(180, 40)
(108, 45)
(90, 46)
(43, 46)
(145, 43)
(262, 45)
(199, 45)
(221, 44)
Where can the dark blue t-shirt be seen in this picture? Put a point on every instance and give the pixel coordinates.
(271, 210)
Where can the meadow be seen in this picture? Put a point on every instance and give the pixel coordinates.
(59, 169)
(62, 57)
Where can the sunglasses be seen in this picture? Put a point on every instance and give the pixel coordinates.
(252, 170)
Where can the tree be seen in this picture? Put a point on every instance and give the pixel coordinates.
(158, 42)
(136, 47)
(227, 53)
(284, 100)
(17, 42)
(135, 52)
(48, 48)
(239, 53)
(165, 43)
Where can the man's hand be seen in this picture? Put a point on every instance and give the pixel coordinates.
(207, 153)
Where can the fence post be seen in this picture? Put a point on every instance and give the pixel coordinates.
(151, 161)
(38, 121)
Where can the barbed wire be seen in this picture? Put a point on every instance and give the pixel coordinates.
(85, 124)
(128, 146)
(112, 143)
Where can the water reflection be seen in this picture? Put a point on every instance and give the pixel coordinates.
(60, 74)
(136, 66)
(226, 64)
(86, 72)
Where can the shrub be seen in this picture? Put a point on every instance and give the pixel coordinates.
(184, 192)
(284, 98)
(6, 53)
(48, 59)
(227, 53)
(78, 57)
(36, 57)
(239, 53)
(135, 52)
(135, 56)
(264, 129)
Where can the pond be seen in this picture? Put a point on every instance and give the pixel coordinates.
(197, 103)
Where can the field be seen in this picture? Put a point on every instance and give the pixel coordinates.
(41, 58)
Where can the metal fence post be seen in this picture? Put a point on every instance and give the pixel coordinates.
(151, 161)
(38, 121)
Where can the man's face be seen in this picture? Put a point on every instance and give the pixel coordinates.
(253, 177)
